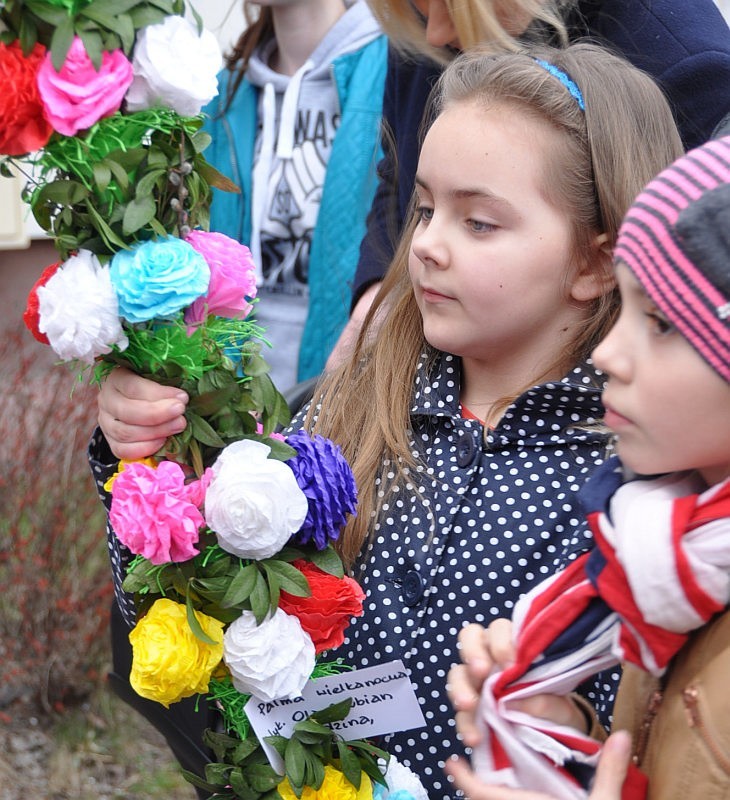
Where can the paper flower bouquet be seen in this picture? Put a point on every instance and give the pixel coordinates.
(238, 588)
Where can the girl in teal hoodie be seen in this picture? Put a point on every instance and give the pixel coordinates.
(296, 126)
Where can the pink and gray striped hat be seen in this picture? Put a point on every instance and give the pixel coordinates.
(675, 238)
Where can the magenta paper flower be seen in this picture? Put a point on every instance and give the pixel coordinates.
(232, 278)
(155, 513)
(78, 96)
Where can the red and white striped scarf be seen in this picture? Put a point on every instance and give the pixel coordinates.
(660, 569)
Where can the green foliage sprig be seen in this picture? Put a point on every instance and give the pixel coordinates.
(130, 178)
(222, 585)
(101, 24)
(242, 772)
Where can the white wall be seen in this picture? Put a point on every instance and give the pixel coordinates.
(224, 18)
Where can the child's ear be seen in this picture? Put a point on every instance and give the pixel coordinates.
(596, 277)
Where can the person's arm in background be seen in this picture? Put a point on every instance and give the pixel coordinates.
(686, 49)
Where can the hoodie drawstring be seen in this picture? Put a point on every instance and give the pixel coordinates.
(284, 150)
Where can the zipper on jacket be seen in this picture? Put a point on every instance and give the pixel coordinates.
(652, 709)
(690, 696)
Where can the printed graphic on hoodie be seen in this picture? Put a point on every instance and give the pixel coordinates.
(293, 197)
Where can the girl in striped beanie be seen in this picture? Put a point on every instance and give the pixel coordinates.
(654, 593)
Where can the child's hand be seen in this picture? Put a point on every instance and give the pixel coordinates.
(609, 779)
(483, 650)
(137, 415)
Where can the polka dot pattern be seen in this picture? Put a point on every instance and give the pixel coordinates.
(492, 513)
(495, 514)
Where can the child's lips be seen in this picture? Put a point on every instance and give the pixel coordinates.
(434, 296)
(613, 419)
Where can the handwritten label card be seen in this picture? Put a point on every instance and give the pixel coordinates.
(383, 701)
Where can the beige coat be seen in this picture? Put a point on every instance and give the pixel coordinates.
(681, 724)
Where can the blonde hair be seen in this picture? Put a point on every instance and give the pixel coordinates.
(625, 136)
(489, 23)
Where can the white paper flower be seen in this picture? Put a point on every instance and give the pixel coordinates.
(174, 66)
(253, 503)
(272, 660)
(78, 310)
(402, 781)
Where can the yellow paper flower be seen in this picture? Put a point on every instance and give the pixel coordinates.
(169, 662)
(335, 786)
(149, 461)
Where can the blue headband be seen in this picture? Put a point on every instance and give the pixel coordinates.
(569, 84)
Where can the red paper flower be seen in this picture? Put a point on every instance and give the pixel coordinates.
(31, 317)
(326, 614)
(24, 127)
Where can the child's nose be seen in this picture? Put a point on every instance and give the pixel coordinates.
(430, 247)
(612, 356)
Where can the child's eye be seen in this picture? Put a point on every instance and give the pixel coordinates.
(424, 213)
(659, 323)
(481, 227)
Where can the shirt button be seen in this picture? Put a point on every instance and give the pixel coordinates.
(465, 449)
(412, 587)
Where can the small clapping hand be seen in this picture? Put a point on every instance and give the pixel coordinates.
(483, 650)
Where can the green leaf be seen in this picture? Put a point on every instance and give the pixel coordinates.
(288, 578)
(262, 777)
(146, 184)
(328, 561)
(350, 764)
(137, 214)
(61, 41)
(241, 587)
(142, 16)
(125, 30)
(200, 140)
(118, 170)
(317, 778)
(28, 35)
(94, 46)
(202, 430)
(241, 786)
(102, 175)
(217, 179)
(295, 760)
(212, 402)
(195, 625)
(101, 14)
(217, 774)
(52, 15)
(333, 713)
(63, 193)
(279, 743)
(197, 781)
(280, 451)
(310, 731)
(260, 599)
(112, 241)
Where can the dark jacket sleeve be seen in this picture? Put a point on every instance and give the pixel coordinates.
(408, 84)
(103, 465)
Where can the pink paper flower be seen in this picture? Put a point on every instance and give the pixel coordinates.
(232, 278)
(78, 96)
(155, 513)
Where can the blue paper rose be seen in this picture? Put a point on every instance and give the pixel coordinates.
(158, 278)
(325, 477)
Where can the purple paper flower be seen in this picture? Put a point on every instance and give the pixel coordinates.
(326, 479)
